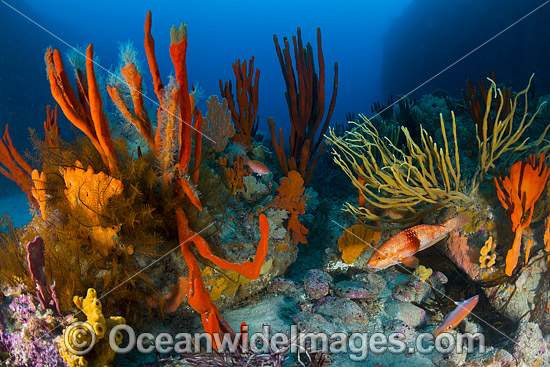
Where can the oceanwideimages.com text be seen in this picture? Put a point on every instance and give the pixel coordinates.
(81, 339)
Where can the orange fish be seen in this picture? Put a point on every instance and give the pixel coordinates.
(402, 247)
(256, 166)
(457, 315)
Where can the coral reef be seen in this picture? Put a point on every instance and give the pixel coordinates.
(176, 219)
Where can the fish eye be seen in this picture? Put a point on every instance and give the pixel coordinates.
(449, 327)
(379, 258)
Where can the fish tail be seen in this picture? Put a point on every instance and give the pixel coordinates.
(456, 222)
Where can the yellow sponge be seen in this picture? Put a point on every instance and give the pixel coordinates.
(488, 254)
(101, 353)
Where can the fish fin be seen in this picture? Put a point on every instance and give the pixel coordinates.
(411, 262)
(456, 222)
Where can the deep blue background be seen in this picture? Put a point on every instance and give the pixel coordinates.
(431, 35)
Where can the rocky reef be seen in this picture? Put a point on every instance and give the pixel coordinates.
(432, 218)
